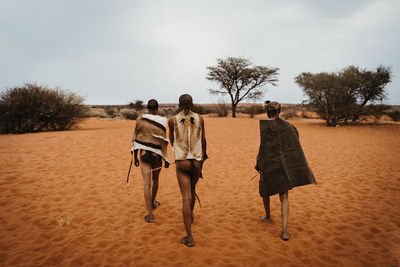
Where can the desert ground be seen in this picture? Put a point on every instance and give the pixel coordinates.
(351, 218)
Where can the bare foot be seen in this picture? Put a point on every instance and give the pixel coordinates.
(265, 219)
(285, 236)
(149, 218)
(187, 241)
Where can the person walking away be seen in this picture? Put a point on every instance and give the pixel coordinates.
(149, 141)
(187, 137)
(281, 163)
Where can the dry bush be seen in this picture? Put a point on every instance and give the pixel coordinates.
(393, 113)
(289, 113)
(162, 112)
(129, 114)
(34, 108)
(98, 113)
(305, 115)
(374, 111)
(110, 111)
(169, 111)
(222, 109)
(254, 110)
(202, 109)
(137, 105)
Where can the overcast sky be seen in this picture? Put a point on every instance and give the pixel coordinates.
(113, 52)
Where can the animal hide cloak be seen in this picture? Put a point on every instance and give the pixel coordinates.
(281, 159)
(188, 136)
(150, 135)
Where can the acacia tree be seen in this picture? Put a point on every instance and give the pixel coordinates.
(339, 97)
(240, 80)
(321, 89)
(372, 87)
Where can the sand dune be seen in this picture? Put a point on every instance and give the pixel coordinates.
(351, 218)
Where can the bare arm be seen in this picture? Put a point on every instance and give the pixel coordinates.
(133, 141)
(203, 140)
(171, 130)
(203, 133)
(136, 157)
(136, 127)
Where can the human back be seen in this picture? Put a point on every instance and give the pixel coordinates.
(187, 137)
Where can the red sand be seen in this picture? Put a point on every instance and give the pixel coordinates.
(351, 218)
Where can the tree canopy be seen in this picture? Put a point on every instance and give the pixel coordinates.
(240, 80)
(342, 96)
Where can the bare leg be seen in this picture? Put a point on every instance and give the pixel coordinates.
(195, 178)
(267, 217)
(146, 173)
(284, 197)
(154, 188)
(186, 185)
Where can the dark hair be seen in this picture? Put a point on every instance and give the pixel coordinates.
(185, 102)
(152, 104)
(273, 108)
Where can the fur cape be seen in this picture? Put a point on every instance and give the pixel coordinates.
(150, 134)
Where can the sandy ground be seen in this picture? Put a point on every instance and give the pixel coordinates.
(351, 218)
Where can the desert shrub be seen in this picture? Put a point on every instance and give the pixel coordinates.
(169, 111)
(137, 105)
(34, 108)
(129, 114)
(162, 112)
(289, 113)
(202, 109)
(376, 111)
(253, 110)
(99, 113)
(199, 109)
(110, 111)
(305, 115)
(222, 109)
(394, 114)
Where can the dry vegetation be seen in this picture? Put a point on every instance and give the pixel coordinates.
(377, 113)
(36, 108)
